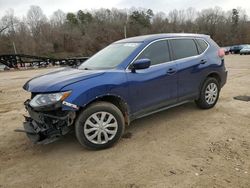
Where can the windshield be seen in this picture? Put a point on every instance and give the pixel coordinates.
(110, 57)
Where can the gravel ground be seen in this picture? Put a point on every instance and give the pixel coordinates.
(180, 147)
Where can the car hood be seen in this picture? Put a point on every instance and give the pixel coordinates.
(56, 80)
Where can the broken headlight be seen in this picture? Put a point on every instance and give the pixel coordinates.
(48, 99)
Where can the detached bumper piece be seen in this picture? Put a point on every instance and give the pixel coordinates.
(47, 126)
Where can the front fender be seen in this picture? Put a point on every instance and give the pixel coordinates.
(86, 91)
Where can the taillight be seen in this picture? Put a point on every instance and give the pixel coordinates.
(221, 52)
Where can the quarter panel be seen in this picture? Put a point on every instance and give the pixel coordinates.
(190, 75)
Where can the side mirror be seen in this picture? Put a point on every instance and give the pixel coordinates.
(140, 64)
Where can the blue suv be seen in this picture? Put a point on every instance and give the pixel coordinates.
(127, 80)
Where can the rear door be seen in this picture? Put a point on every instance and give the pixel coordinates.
(191, 63)
(155, 86)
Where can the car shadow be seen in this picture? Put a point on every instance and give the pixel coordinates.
(70, 141)
(169, 114)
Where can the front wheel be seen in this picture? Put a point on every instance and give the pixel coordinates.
(209, 94)
(99, 126)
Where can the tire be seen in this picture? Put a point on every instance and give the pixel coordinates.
(208, 97)
(99, 126)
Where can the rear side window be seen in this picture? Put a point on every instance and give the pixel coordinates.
(158, 53)
(183, 48)
(202, 45)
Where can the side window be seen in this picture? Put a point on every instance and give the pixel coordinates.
(183, 48)
(202, 45)
(158, 52)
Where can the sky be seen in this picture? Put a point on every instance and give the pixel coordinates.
(21, 7)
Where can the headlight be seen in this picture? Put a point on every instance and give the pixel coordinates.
(48, 99)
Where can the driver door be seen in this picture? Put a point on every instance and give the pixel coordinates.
(156, 86)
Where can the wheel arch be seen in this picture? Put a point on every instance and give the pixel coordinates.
(116, 100)
(213, 74)
(200, 100)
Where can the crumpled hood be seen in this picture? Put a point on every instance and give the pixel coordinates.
(55, 81)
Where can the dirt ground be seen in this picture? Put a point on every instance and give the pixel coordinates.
(180, 147)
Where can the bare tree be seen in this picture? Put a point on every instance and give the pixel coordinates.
(35, 18)
(58, 18)
(85, 32)
(191, 14)
(8, 22)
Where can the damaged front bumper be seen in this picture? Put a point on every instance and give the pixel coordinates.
(43, 127)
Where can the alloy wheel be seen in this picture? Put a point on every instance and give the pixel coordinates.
(211, 93)
(100, 127)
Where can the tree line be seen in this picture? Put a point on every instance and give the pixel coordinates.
(85, 32)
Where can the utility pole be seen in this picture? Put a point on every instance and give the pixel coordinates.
(14, 46)
(125, 30)
(125, 26)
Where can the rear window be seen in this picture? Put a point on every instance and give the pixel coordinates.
(183, 48)
(202, 45)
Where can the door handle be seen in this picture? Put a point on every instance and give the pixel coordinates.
(171, 71)
(203, 61)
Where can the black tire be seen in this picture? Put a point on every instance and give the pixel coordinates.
(201, 102)
(92, 109)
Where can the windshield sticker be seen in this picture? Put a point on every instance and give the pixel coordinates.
(131, 44)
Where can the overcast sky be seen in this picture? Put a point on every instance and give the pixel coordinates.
(49, 6)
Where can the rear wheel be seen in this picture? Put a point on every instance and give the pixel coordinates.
(209, 94)
(100, 126)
